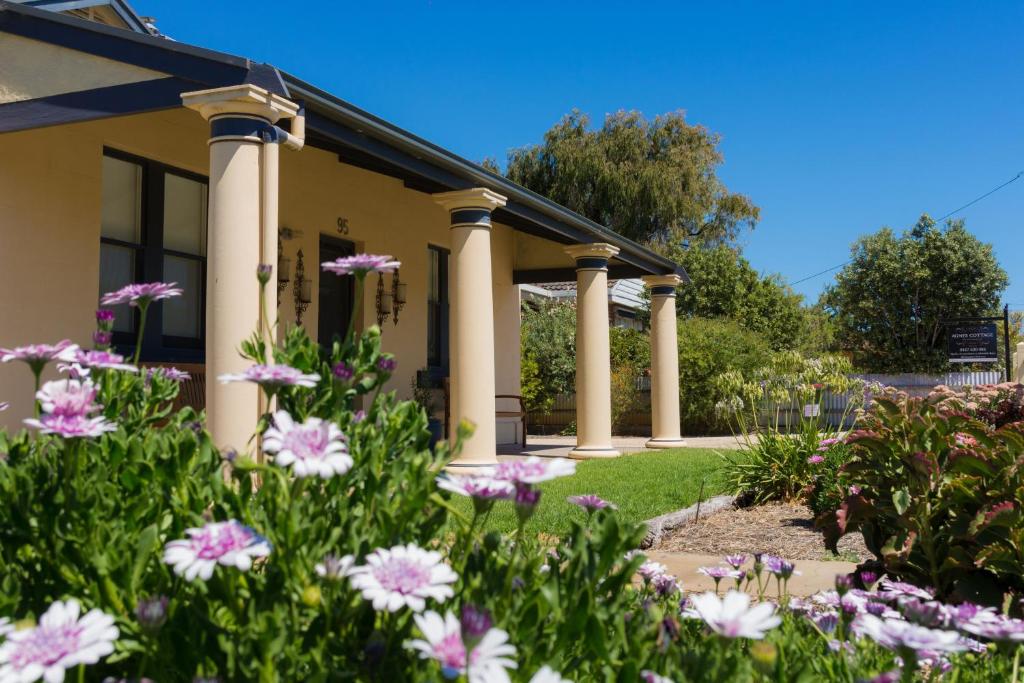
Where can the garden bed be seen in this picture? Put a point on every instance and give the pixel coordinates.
(781, 529)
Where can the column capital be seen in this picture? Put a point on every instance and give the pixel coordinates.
(594, 255)
(244, 99)
(662, 285)
(473, 198)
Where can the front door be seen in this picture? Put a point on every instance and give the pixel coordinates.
(337, 294)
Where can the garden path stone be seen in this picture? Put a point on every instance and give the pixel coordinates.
(816, 575)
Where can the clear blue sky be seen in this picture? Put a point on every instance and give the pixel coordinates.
(836, 117)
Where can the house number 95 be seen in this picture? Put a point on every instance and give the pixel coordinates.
(343, 225)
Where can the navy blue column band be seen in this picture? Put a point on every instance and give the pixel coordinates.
(479, 216)
(663, 290)
(238, 127)
(591, 262)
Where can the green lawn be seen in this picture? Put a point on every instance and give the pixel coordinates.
(643, 485)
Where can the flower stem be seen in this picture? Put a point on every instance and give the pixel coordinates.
(143, 308)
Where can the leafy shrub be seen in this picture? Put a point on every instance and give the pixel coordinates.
(707, 349)
(994, 404)
(548, 350)
(630, 347)
(625, 396)
(774, 466)
(938, 497)
(828, 487)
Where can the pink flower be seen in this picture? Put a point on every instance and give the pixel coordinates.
(360, 264)
(38, 355)
(62, 640)
(534, 470)
(719, 573)
(67, 405)
(480, 488)
(313, 448)
(403, 576)
(99, 360)
(72, 426)
(4, 405)
(230, 543)
(815, 460)
(487, 661)
(650, 569)
(173, 374)
(141, 294)
(897, 589)
(965, 440)
(590, 502)
(896, 634)
(273, 377)
(735, 561)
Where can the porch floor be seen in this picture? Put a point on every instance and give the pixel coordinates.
(559, 446)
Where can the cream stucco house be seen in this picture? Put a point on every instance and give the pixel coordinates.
(126, 156)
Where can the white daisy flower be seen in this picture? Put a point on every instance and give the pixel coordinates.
(488, 662)
(313, 448)
(62, 640)
(403, 576)
(733, 617)
(229, 543)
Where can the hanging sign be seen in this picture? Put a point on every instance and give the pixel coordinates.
(973, 343)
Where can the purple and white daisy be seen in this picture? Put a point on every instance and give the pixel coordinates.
(151, 613)
(780, 567)
(96, 360)
(735, 561)
(272, 377)
(815, 460)
(63, 639)
(67, 405)
(72, 426)
(719, 573)
(487, 662)
(665, 585)
(173, 374)
(230, 543)
(361, 264)
(648, 676)
(4, 405)
(826, 444)
(480, 488)
(38, 355)
(333, 567)
(591, 502)
(991, 626)
(896, 634)
(313, 448)
(142, 293)
(650, 569)
(403, 576)
(732, 616)
(534, 470)
(893, 590)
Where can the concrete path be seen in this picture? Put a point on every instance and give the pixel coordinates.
(559, 446)
(815, 575)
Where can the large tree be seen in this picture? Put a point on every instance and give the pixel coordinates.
(888, 303)
(651, 181)
(725, 285)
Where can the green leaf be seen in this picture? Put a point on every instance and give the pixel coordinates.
(901, 499)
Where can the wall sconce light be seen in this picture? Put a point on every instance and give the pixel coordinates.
(397, 296)
(284, 266)
(301, 289)
(384, 301)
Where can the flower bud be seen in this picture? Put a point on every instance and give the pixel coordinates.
(263, 272)
(475, 621)
(764, 655)
(311, 596)
(152, 612)
(342, 372)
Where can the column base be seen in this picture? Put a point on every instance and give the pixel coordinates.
(593, 452)
(665, 443)
(471, 468)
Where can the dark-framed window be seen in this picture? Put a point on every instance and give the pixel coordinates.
(437, 311)
(153, 229)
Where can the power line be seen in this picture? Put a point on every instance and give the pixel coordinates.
(937, 220)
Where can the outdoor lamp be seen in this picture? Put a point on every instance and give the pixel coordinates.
(301, 289)
(397, 296)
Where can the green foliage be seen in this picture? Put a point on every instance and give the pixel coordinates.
(650, 181)
(707, 349)
(938, 497)
(829, 482)
(725, 285)
(629, 347)
(548, 351)
(888, 302)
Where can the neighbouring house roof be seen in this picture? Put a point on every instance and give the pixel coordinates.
(116, 13)
(356, 136)
(628, 292)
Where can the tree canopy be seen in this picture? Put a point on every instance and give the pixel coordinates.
(888, 302)
(651, 181)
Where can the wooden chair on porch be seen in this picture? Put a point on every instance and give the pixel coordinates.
(519, 413)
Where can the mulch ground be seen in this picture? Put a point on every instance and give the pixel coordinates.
(780, 529)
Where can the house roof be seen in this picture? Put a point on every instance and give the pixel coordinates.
(110, 12)
(355, 135)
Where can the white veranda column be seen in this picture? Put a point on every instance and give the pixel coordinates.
(472, 322)
(237, 116)
(593, 362)
(664, 362)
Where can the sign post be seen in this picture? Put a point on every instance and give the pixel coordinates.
(974, 340)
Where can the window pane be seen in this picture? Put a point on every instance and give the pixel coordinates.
(182, 313)
(433, 292)
(122, 200)
(184, 215)
(117, 269)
